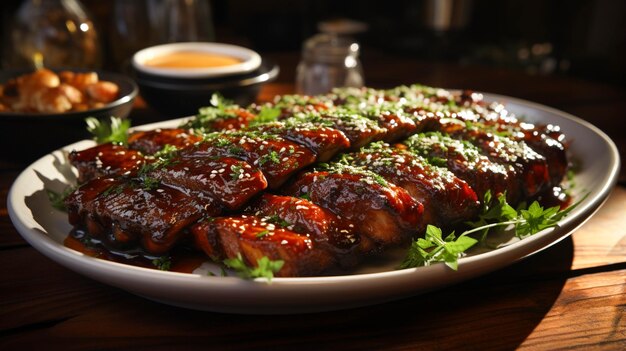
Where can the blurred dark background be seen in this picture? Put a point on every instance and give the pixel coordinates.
(580, 38)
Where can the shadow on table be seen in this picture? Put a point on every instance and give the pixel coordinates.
(496, 311)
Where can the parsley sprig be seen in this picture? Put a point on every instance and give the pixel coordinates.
(265, 267)
(267, 114)
(220, 108)
(114, 131)
(434, 248)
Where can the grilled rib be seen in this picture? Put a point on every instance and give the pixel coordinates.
(231, 182)
(125, 214)
(323, 141)
(304, 236)
(276, 157)
(152, 141)
(381, 211)
(446, 198)
(105, 160)
(252, 238)
(467, 162)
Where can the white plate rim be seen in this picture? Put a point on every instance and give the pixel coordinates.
(308, 294)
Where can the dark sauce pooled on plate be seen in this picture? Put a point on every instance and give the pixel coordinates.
(181, 260)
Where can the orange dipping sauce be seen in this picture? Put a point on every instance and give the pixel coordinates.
(191, 59)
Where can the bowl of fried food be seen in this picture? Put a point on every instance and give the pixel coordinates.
(42, 110)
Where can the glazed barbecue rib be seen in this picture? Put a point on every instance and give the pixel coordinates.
(447, 199)
(323, 182)
(466, 161)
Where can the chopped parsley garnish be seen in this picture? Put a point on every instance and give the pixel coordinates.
(167, 152)
(271, 156)
(368, 177)
(163, 263)
(277, 220)
(438, 161)
(221, 142)
(163, 158)
(265, 267)
(262, 233)
(236, 172)
(149, 183)
(117, 189)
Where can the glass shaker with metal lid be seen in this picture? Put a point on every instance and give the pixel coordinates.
(328, 61)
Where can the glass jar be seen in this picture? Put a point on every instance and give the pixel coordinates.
(328, 61)
(53, 34)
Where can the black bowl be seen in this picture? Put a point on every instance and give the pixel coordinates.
(181, 97)
(25, 137)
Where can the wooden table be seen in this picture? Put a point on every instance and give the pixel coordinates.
(569, 296)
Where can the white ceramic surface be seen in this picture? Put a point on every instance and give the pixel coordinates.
(250, 60)
(378, 281)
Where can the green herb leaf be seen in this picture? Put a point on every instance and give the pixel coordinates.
(433, 248)
(163, 158)
(57, 200)
(236, 172)
(150, 183)
(114, 131)
(271, 156)
(262, 233)
(527, 221)
(218, 110)
(265, 267)
(220, 101)
(163, 263)
(536, 219)
(266, 115)
(493, 212)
